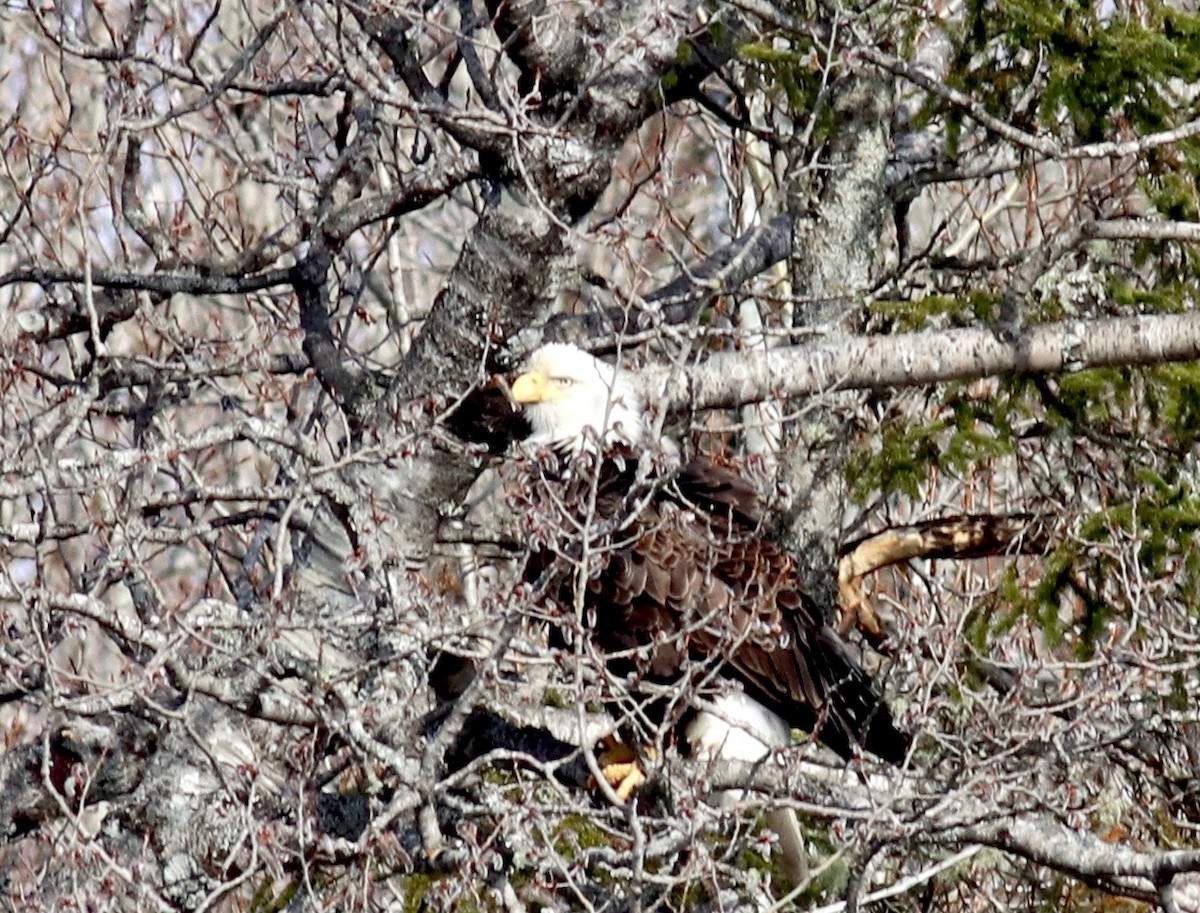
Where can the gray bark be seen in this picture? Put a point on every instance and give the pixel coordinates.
(835, 259)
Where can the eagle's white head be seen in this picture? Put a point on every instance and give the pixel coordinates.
(573, 400)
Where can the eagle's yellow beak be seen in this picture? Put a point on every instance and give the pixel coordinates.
(530, 387)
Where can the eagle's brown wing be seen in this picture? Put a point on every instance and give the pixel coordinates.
(691, 575)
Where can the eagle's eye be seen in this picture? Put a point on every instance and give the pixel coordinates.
(562, 381)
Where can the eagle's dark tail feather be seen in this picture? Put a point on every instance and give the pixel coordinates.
(855, 715)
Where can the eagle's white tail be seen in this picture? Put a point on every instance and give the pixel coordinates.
(739, 728)
(792, 855)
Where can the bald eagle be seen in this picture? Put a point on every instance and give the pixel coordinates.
(665, 572)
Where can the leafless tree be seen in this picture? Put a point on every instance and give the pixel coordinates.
(921, 268)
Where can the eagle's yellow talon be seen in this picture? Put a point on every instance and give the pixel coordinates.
(621, 768)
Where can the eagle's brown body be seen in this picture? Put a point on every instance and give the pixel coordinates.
(681, 582)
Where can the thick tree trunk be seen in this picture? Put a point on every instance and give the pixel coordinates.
(835, 257)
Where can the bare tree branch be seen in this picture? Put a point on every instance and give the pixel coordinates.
(727, 380)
